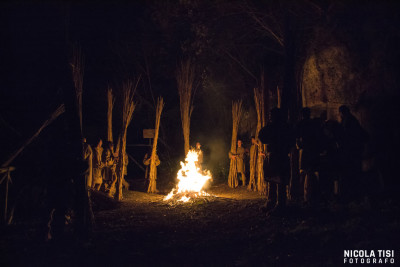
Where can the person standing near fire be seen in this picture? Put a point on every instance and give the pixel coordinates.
(351, 142)
(254, 150)
(97, 165)
(278, 137)
(147, 161)
(200, 154)
(239, 156)
(308, 134)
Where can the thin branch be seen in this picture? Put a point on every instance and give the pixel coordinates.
(268, 29)
(241, 65)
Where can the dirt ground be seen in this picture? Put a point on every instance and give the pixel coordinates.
(225, 229)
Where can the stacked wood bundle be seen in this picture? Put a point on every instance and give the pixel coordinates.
(128, 106)
(185, 81)
(236, 116)
(153, 168)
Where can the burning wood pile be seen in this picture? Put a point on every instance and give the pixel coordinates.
(192, 180)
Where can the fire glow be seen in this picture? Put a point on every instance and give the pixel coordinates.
(191, 179)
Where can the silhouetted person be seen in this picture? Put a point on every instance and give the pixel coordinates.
(329, 170)
(278, 137)
(254, 150)
(352, 138)
(239, 156)
(200, 153)
(146, 162)
(308, 139)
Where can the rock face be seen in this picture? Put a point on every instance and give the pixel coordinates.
(361, 72)
(329, 80)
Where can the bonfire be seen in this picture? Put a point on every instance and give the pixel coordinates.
(191, 178)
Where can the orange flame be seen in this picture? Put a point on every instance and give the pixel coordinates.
(191, 178)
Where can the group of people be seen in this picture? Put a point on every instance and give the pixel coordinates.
(101, 173)
(309, 161)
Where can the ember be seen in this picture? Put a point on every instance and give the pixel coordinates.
(191, 179)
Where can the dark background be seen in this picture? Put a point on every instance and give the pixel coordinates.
(229, 48)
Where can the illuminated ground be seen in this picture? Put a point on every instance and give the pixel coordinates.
(226, 230)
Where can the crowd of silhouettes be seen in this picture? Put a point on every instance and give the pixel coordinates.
(314, 161)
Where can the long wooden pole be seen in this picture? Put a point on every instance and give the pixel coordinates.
(60, 110)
